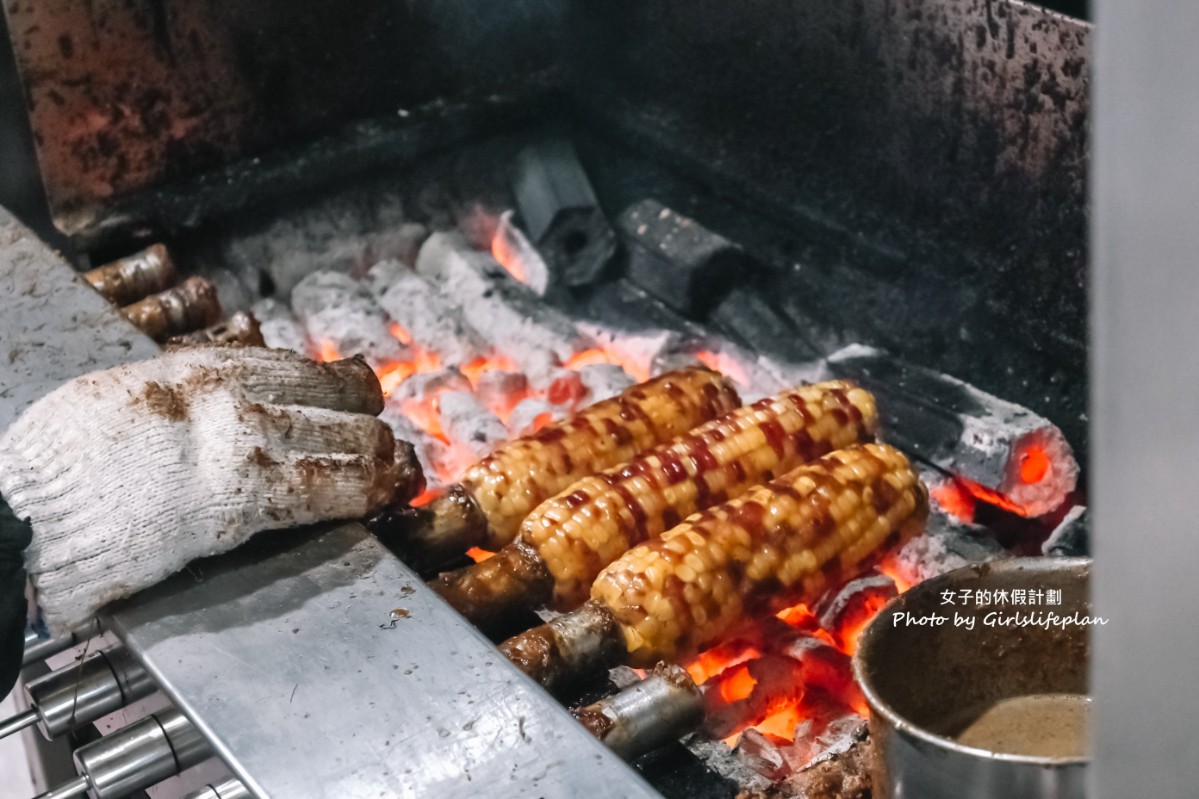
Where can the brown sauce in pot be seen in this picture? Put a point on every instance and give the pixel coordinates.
(1041, 725)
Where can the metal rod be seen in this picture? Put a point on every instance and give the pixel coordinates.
(72, 788)
(37, 649)
(18, 723)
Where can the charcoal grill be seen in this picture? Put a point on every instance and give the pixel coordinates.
(908, 174)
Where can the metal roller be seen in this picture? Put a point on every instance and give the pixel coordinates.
(81, 693)
(136, 757)
(38, 649)
(229, 789)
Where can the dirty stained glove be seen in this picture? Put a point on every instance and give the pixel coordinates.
(127, 475)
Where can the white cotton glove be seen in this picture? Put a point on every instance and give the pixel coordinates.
(127, 475)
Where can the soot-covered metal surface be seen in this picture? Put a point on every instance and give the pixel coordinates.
(128, 94)
(926, 157)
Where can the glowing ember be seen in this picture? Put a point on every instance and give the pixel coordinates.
(992, 497)
(727, 366)
(588, 357)
(955, 499)
(326, 351)
(712, 662)
(738, 686)
(478, 555)
(391, 375)
(474, 370)
(1034, 465)
(424, 498)
(400, 334)
(507, 256)
(565, 390)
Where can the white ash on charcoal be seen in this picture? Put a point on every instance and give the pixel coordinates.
(338, 311)
(280, 328)
(964, 431)
(756, 376)
(734, 765)
(513, 250)
(345, 232)
(946, 544)
(505, 313)
(532, 414)
(429, 451)
(501, 391)
(640, 351)
(432, 321)
(603, 380)
(467, 423)
(417, 396)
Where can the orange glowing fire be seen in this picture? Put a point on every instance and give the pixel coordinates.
(326, 351)
(727, 366)
(1034, 464)
(731, 661)
(424, 498)
(492, 363)
(478, 554)
(502, 252)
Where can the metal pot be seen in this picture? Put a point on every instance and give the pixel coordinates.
(925, 682)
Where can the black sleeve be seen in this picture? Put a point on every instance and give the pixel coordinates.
(15, 535)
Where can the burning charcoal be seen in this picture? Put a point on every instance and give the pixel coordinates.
(764, 754)
(1071, 537)
(506, 314)
(425, 315)
(531, 415)
(342, 319)
(827, 728)
(404, 430)
(640, 353)
(401, 243)
(746, 314)
(821, 666)
(516, 253)
(678, 260)
(239, 330)
(1009, 455)
(500, 391)
(133, 277)
(280, 329)
(561, 212)
(191, 305)
(469, 424)
(417, 396)
(744, 695)
(836, 775)
(603, 380)
(946, 544)
(846, 611)
(342, 233)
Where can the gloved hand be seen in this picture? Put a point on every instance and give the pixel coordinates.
(127, 475)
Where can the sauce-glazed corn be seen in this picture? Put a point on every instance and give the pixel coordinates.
(598, 519)
(780, 543)
(520, 475)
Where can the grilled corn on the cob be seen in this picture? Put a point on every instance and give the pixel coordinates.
(496, 494)
(776, 545)
(596, 520)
